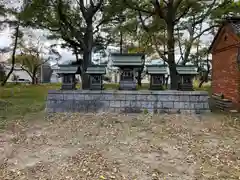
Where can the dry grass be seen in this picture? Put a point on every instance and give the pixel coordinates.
(110, 146)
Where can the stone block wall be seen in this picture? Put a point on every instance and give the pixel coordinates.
(127, 101)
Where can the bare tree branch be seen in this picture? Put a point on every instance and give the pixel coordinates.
(205, 30)
(82, 8)
(184, 13)
(180, 46)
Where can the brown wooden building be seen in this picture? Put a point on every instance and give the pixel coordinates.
(225, 50)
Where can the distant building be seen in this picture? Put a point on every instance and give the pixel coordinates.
(17, 72)
(55, 77)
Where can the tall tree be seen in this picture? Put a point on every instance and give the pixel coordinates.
(16, 36)
(168, 11)
(177, 16)
(30, 64)
(171, 13)
(201, 21)
(76, 22)
(33, 55)
(16, 23)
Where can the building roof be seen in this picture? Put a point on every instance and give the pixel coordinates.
(127, 54)
(97, 69)
(156, 69)
(127, 59)
(234, 23)
(67, 69)
(183, 69)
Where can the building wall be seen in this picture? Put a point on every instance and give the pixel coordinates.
(225, 73)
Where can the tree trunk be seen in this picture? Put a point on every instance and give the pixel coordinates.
(87, 58)
(173, 77)
(139, 78)
(87, 54)
(33, 80)
(85, 81)
(34, 74)
(13, 56)
(205, 76)
(203, 79)
(171, 54)
(200, 84)
(121, 42)
(166, 82)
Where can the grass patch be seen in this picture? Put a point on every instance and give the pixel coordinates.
(20, 100)
(205, 86)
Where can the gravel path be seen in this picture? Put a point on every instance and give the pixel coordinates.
(111, 146)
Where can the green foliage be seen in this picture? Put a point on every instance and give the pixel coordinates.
(28, 61)
(145, 111)
(2, 10)
(66, 21)
(22, 100)
(225, 8)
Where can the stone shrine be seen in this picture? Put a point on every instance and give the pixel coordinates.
(128, 65)
(186, 73)
(96, 73)
(157, 76)
(68, 73)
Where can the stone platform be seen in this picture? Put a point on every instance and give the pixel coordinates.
(127, 101)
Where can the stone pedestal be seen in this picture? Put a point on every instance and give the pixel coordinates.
(127, 101)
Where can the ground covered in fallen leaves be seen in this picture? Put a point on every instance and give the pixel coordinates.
(111, 146)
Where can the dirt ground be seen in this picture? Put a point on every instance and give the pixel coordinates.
(111, 146)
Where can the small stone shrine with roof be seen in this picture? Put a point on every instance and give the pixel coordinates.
(96, 73)
(157, 76)
(129, 65)
(68, 74)
(186, 73)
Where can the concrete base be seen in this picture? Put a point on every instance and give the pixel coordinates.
(127, 101)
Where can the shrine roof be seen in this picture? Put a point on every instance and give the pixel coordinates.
(156, 62)
(67, 69)
(133, 59)
(127, 54)
(156, 69)
(187, 69)
(96, 69)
